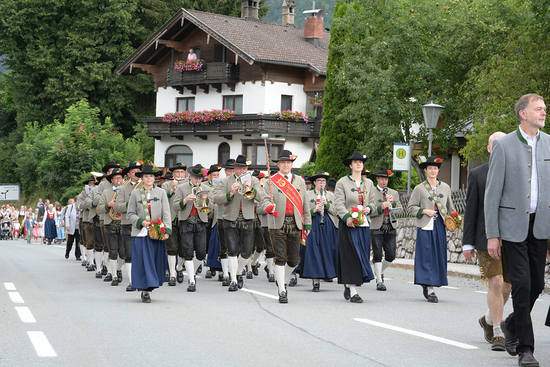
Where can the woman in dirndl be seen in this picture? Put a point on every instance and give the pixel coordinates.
(60, 213)
(354, 201)
(147, 205)
(320, 254)
(430, 202)
(50, 228)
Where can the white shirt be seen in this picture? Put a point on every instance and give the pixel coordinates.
(532, 142)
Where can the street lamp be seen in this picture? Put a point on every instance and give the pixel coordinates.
(431, 112)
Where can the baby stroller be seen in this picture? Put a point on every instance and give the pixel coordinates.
(7, 230)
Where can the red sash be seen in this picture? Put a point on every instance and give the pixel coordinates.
(292, 195)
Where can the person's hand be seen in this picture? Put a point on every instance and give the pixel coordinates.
(386, 204)
(493, 248)
(349, 223)
(145, 224)
(111, 204)
(174, 186)
(469, 254)
(306, 232)
(234, 188)
(318, 207)
(188, 198)
(390, 199)
(366, 210)
(68, 229)
(248, 184)
(165, 237)
(429, 213)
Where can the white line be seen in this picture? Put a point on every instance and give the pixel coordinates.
(417, 333)
(41, 344)
(58, 246)
(449, 287)
(259, 293)
(484, 292)
(9, 286)
(25, 314)
(16, 297)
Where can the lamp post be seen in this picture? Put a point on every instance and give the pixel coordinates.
(431, 112)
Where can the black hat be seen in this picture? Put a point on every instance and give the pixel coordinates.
(178, 166)
(91, 178)
(273, 172)
(320, 174)
(214, 168)
(167, 176)
(241, 161)
(365, 172)
(431, 161)
(331, 184)
(356, 156)
(229, 163)
(286, 155)
(113, 164)
(149, 169)
(100, 178)
(116, 171)
(307, 179)
(258, 174)
(383, 172)
(197, 170)
(132, 165)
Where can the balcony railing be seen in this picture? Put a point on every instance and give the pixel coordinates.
(213, 73)
(245, 124)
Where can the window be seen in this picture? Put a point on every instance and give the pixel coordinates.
(255, 151)
(185, 104)
(219, 53)
(233, 103)
(178, 154)
(286, 103)
(223, 153)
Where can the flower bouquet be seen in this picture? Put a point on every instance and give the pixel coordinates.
(157, 229)
(453, 222)
(189, 65)
(356, 216)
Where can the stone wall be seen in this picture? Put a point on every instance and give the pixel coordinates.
(406, 239)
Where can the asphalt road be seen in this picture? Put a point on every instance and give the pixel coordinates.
(82, 321)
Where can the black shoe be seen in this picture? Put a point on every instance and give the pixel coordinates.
(145, 297)
(208, 274)
(511, 341)
(243, 272)
(249, 275)
(78, 259)
(346, 293)
(432, 298)
(220, 277)
(84, 263)
(119, 275)
(240, 282)
(103, 270)
(282, 297)
(108, 278)
(67, 257)
(129, 288)
(255, 268)
(425, 291)
(380, 286)
(356, 299)
(316, 287)
(213, 272)
(90, 267)
(115, 281)
(191, 287)
(271, 278)
(172, 282)
(98, 275)
(199, 270)
(233, 287)
(293, 281)
(226, 281)
(179, 276)
(526, 359)
(266, 272)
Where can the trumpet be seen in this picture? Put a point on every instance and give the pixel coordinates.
(248, 193)
(114, 215)
(200, 202)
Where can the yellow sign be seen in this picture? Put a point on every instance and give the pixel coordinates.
(401, 153)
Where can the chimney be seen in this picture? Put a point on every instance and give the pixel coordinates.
(288, 12)
(249, 9)
(313, 27)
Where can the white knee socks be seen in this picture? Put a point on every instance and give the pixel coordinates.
(352, 289)
(385, 265)
(179, 267)
(129, 271)
(270, 264)
(190, 269)
(378, 272)
(242, 264)
(225, 267)
(112, 267)
(279, 271)
(233, 267)
(172, 265)
(288, 272)
(98, 260)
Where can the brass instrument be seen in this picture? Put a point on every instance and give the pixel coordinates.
(248, 193)
(112, 213)
(200, 202)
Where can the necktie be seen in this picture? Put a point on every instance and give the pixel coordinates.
(286, 177)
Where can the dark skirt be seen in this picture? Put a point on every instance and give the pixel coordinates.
(49, 229)
(319, 257)
(214, 250)
(354, 255)
(430, 259)
(149, 263)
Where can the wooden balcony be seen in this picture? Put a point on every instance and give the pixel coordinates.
(245, 124)
(214, 74)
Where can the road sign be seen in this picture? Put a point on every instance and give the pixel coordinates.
(10, 192)
(401, 156)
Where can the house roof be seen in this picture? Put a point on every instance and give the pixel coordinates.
(251, 40)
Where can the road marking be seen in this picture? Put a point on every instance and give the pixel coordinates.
(484, 292)
(9, 286)
(16, 297)
(41, 344)
(260, 293)
(417, 333)
(449, 287)
(58, 246)
(25, 314)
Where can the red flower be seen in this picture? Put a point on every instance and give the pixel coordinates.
(390, 173)
(163, 230)
(355, 221)
(438, 160)
(159, 221)
(355, 210)
(454, 214)
(261, 175)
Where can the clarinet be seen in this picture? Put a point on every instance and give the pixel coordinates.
(385, 226)
(322, 221)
